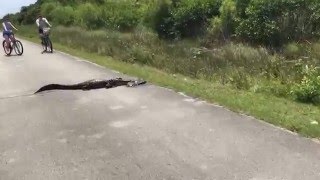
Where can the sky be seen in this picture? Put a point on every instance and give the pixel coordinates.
(13, 6)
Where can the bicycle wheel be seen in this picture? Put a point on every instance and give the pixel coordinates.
(7, 51)
(18, 47)
(49, 45)
(44, 44)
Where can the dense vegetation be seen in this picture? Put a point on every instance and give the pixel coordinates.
(256, 21)
(258, 45)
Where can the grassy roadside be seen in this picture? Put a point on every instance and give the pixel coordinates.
(282, 112)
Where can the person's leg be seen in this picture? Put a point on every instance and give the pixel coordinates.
(6, 37)
(12, 38)
(41, 35)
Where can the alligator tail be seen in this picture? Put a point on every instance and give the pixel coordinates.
(58, 87)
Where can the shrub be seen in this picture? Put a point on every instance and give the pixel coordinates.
(292, 51)
(240, 79)
(187, 18)
(88, 15)
(276, 22)
(308, 91)
(47, 8)
(191, 16)
(63, 15)
(29, 14)
(161, 20)
(121, 15)
(222, 27)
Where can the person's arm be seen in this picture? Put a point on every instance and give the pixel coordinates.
(4, 27)
(37, 22)
(13, 26)
(47, 22)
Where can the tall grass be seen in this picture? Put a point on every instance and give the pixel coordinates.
(237, 65)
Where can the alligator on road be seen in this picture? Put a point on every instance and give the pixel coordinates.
(93, 84)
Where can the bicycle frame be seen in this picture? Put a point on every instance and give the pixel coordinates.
(11, 43)
(11, 39)
(46, 42)
(46, 32)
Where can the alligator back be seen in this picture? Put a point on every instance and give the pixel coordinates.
(92, 84)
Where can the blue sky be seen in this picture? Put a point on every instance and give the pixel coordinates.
(12, 6)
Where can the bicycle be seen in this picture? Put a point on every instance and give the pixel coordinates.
(46, 42)
(15, 45)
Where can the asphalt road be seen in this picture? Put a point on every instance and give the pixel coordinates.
(143, 133)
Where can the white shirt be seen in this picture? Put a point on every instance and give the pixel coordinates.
(41, 25)
(7, 26)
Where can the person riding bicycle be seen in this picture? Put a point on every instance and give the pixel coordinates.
(7, 31)
(42, 23)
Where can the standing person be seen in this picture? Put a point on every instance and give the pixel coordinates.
(42, 23)
(8, 31)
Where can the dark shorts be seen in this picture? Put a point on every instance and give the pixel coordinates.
(7, 33)
(40, 31)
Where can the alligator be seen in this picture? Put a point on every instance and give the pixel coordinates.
(92, 84)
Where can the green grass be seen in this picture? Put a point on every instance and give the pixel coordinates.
(294, 116)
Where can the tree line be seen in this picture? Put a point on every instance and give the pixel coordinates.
(266, 22)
